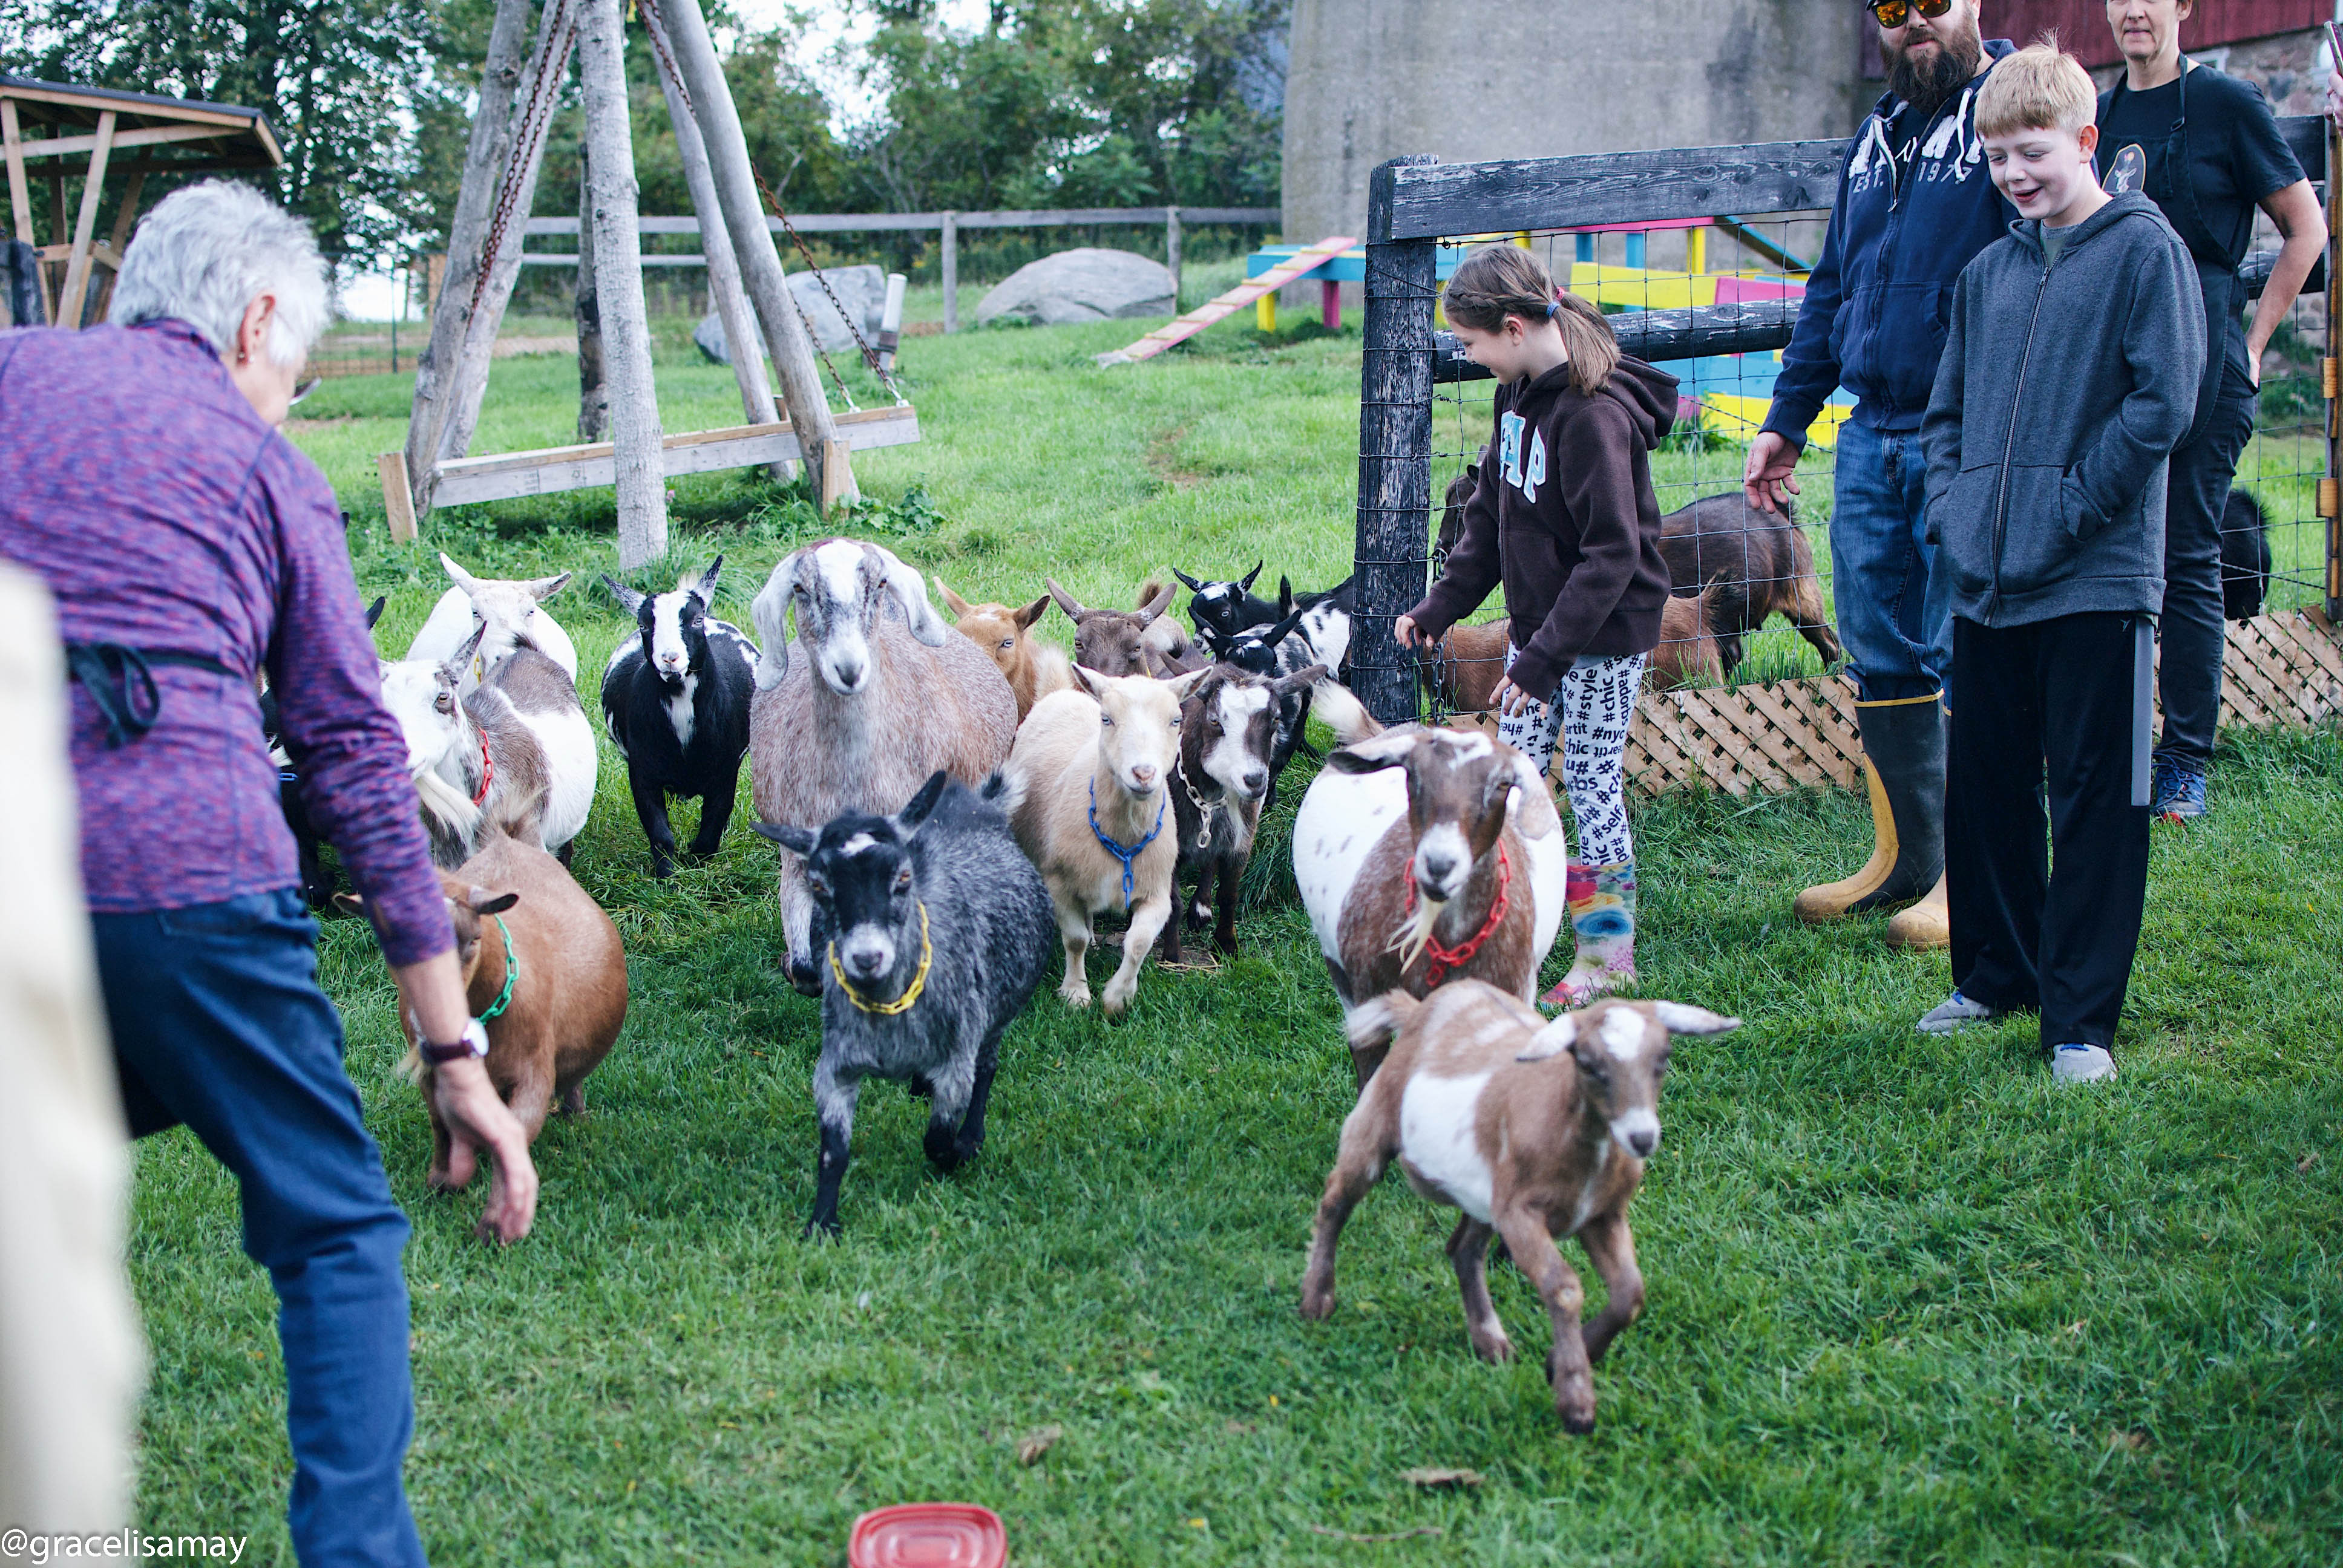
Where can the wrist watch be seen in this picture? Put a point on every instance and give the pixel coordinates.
(472, 1043)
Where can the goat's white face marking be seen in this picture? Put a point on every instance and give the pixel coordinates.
(669, 655)
(1141, 740)
(1623, 1033)
(1445, 843)
(867, 951)
(1227, 759)
(1438, 1140)
(1464, 747)
(856, 844)
(844, 657)
(1641, 1122)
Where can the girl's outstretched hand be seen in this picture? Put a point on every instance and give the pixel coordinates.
(1511, 699)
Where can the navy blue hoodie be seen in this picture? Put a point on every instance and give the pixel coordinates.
(1881, 296)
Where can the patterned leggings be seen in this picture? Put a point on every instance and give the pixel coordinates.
(1589, 712)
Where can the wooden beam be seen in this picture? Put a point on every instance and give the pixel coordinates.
(109, 255)
(485, 157)
(141, 105)
(85, 225)
(505, 475)
(59, 147)
(641, 481)
(1432, 200)
(20, 193)
(744, 216)
(397, 496)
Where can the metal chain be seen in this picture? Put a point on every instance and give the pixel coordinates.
(869, 355)
(559, 38)
(656, 25)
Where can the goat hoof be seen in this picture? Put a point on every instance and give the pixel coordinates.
(1498, 1351)
(820, 1229)
(1578, 1425)
(1074, 997)
(1318, 1308)
(803, 976)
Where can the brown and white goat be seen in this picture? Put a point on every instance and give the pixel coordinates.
(543, 958)
(1426, 854)
(1535, 1129)
(1226, 764)
(1088, 797)
(873, 695)
(1126, 642)
(1034, 669)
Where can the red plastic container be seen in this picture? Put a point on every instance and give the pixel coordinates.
(929, 1535)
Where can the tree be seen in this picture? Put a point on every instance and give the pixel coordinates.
(332, 75)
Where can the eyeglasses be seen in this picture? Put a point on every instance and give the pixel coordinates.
(1894, 12)
(305, 387)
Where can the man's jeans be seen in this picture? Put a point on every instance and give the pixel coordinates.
(217, 1021)
(1893, 616)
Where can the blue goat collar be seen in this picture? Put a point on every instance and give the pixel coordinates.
(1126, 853)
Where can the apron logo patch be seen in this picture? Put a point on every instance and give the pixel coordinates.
(2128, 172)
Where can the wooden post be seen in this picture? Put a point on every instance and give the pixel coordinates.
(752, 242)
(1172, 251)
(952, 271)
(485, 157)
(77, 263)
(2334, 485)
(20, 197)
(618, 249)
(593, 394)
(725, 294)
(397, 496)
(125, 220)
(1395, 453)
(836, 474)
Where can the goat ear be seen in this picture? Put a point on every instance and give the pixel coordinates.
(706, 587)
(457, 575)
(1308, 676)
(1244, 585)
(1678, 1018)
(1033, 612)
(1552, 1041)
(1194, 586)
(349, 904)
(1284, 594)
(1388, 750)
(1182, 685)
(628, 599)
(922, 805)
(374, 610)
(911, 591)
(1534, 815)
(1066, 602)
(481, 901)
(953, 601)
(770, 613)
(796, 840)
(543, 588)
(1154, 603)
(1283, 628)
(461, 660)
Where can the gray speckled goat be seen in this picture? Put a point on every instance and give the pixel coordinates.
(941, 929)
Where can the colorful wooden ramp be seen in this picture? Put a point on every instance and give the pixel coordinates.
(1304, 261)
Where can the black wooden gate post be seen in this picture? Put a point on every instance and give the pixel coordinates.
(1395, 455)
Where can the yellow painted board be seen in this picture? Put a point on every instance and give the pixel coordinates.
(1639, 287)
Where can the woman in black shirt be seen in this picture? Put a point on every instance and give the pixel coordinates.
(2205, 147)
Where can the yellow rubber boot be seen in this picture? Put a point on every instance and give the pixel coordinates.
(1925, 926)
(1830, 900)
(1904, 774)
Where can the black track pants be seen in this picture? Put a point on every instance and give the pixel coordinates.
(2194, 634)
(2055, 700)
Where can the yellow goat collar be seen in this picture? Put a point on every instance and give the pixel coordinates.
(910, 993)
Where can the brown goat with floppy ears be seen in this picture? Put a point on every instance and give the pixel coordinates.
(1034, 667)
(1405, 844)
(1534, 1130)
(568, 982)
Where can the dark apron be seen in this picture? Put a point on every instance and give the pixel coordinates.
(2167, 185)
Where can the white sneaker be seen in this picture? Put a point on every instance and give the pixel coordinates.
(1954, 1012)
(2081, 1064)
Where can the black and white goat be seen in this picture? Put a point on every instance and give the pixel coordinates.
(675, 698)
(1274, 653)
(941, 929)
(1220, 776)
(1325, 621)
(1225, 609)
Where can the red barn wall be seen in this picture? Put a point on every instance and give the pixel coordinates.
(2083, 27)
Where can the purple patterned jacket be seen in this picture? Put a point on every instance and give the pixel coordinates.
(138, 483)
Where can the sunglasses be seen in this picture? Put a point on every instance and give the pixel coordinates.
(305, 387)
(1894, 12)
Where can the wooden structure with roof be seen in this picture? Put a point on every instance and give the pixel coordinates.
(160, 136)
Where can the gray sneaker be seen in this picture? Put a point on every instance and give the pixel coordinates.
(2081, 1064)
(1954, 1012)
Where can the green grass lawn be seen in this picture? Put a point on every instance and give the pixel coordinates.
(1907, 1303)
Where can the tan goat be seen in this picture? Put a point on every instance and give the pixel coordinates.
(1088, 797)
(1535, 1130)
(1035, 668)
(543, 970)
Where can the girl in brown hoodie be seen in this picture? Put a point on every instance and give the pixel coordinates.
(1565, 518)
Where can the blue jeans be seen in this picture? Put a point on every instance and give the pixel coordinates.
(1894, 616)
(217, 1021)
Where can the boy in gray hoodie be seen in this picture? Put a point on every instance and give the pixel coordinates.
(2069, 376)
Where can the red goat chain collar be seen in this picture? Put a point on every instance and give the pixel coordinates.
(489, 776)
(1446, 960)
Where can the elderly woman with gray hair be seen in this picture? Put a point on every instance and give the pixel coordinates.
(190, 548)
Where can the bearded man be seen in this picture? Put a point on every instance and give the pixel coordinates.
(1915, 202)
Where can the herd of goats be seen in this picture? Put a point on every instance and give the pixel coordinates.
(944, 794)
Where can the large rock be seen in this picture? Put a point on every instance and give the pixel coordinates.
(1084, 284)
(861, 289)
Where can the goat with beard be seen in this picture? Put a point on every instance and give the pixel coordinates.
(1915, 203)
